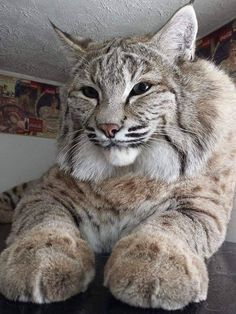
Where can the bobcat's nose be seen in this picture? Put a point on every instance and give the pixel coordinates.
(109, 129)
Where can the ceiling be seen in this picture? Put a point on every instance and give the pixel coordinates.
(28, 44)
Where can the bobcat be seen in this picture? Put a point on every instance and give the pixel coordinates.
(145, 170)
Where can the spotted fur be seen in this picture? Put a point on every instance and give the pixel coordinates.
(10, 198)
(157, 195)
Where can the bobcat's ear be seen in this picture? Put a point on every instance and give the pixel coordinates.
(177, 37)
(75, 46)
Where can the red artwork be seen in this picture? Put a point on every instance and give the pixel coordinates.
(220, 47)
(28, 107)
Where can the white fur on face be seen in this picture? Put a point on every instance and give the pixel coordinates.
(121, 156)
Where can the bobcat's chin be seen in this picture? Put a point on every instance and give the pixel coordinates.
(120, 157)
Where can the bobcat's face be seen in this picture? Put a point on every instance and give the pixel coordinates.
(121, 98)
(137, 104)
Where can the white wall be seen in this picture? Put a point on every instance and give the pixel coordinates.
(24, 158)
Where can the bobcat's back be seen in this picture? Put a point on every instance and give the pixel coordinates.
(10, 198)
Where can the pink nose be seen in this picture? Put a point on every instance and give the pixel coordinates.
(109, 129)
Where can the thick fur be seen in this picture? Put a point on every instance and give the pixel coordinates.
(10, 198)
(158, 196)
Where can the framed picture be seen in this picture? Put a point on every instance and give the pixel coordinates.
(220, 46)
(28, 106)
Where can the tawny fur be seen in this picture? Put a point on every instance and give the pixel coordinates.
(160, 215)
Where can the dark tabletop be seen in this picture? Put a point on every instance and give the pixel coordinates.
(98, 300)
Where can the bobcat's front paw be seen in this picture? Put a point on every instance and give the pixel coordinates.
(154, 271)
(43, 268)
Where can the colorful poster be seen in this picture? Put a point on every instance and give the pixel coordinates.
(28, 107)
(220, 46)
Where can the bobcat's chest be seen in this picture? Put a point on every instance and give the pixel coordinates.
(112, 209)
(103, 229)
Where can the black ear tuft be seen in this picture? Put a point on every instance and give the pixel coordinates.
(76, 45)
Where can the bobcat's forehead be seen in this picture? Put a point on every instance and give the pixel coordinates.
(118, 65)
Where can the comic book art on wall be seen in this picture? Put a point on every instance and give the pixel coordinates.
(220, 46)
(28, 107)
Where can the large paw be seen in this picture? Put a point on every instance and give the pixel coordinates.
(43, 268)
(157, 272)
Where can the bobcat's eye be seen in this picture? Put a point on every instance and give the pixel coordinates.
(89, 92)
(140, 88)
